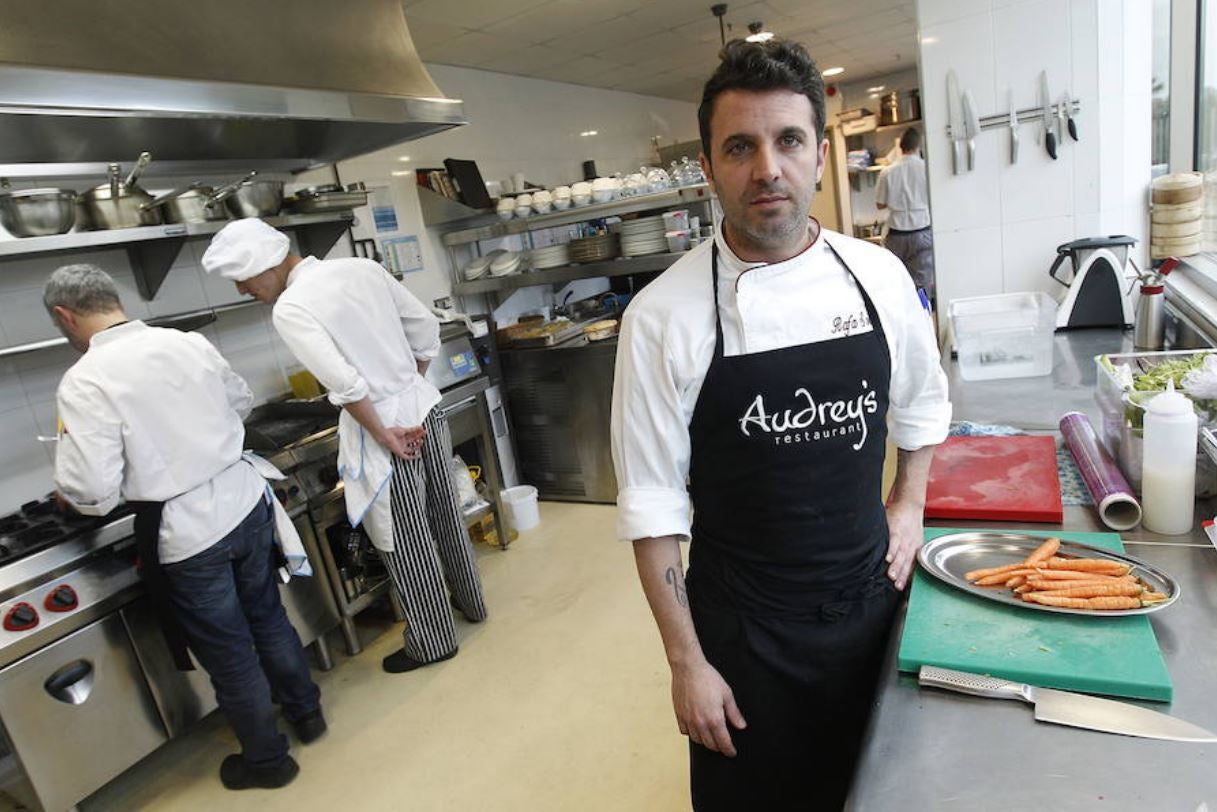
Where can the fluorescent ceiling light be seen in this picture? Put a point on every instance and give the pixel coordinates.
(928, 40)
(586, 133)
(876, 88)
(832, 71)
(401, 173)
(404, 158)
(874, 95)
(760, 36)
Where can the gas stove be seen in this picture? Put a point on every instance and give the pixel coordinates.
(41, 524)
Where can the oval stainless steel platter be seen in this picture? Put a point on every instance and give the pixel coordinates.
(948, 557)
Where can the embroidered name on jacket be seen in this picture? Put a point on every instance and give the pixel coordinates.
(809, 420)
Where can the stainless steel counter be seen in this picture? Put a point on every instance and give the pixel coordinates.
(933, 750)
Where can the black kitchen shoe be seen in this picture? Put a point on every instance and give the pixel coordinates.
(399, 662)
(237, 773)
(310, 728)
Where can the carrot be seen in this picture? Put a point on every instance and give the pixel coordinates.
(1043, 552)
(1152, 597)
(1016, 581)
(976, 574)
(1070, 575)
(1044, 583)
(1102, 603)
(1095, 591)
(1001, 577)
(1088, 565)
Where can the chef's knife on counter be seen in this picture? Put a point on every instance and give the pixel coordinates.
(971, 127)
(1047, 118)
(955, 120)
(1066, 708)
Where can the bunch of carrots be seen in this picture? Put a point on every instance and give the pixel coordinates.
(1069, 583)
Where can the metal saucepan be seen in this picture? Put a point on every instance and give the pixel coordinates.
(36, 212)
(120, 203)
(250, 197)
(195, 203)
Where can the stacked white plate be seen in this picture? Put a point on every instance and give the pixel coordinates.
(553, 256)
(643, 236)
(480, 266)
(506, 263)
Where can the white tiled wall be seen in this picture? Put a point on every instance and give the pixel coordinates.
(517, 124)
(996, 228)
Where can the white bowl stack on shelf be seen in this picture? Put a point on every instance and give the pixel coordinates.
(552, 256)
(523, 205)
(480, 266)
(605, 189)
(581, 193)
(1177, 216)
(542, 201)
(507, 263)
(643, 236)
(506, 208)
(562, 198)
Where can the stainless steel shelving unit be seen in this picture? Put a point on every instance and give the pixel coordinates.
(152, 250)
(623, 266)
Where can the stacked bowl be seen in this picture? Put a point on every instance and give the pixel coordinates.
(507, 262)
(480, 266)
(552, 256)
(595, 249)
(643, 236)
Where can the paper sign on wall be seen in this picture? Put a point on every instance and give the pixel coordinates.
(402, 254)
(380, 199)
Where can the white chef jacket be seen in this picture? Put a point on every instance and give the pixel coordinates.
(153, 414)
(904, 189)
(362, 334)
(667, 342)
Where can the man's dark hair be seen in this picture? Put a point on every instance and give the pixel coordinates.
(910, 140)
(762, 66)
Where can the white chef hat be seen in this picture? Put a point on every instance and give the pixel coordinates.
(245, 248)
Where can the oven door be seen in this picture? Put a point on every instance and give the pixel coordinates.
(78, 713)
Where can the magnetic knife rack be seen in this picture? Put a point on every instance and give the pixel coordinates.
(998, 121)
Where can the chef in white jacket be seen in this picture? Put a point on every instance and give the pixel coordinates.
(369, 341)
(153, 416)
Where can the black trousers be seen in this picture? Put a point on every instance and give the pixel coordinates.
(805, 684)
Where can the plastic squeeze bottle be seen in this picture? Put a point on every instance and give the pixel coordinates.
(1168, 463)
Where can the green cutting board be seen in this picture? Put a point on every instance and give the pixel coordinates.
(950, 628)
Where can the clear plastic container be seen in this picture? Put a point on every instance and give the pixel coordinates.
(1004, 336)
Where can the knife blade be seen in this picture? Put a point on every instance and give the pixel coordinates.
(1070, 709)
(1070, 124)
(1013, 126)
(955, 120)
(971, 127)
(1046, 116)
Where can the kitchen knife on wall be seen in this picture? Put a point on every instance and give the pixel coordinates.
(955, 121)
(1066, 708)
(1047, 118)
(1013, 126)
(971, 127)
(1068, 111)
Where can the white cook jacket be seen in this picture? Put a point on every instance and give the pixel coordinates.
(667, 341)
(904, 188)
(362, 334)
(153, 414)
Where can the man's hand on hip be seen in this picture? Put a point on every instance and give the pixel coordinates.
(403, 442)
(704, 704)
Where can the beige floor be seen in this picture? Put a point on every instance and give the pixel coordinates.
(558, 702)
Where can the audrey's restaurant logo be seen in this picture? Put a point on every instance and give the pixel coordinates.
(811, 420)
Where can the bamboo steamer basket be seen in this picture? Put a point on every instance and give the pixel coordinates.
(1177, 212)
(1159, 232)
(1181, 187)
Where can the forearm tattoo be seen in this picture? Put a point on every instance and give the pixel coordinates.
(673, 577)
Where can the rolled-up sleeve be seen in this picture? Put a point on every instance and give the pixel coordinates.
(650, 436)
(419, 323)
(919, 413)
(89, 455)
(315, 348)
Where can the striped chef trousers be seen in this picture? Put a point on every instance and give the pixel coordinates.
(431, 548)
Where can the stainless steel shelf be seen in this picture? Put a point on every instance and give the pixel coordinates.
(613, 267)
(629, 205)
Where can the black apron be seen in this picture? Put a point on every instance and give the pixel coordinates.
(147, 546)
(787, 579)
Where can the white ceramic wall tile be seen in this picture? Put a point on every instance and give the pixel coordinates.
(967, 263)
(1028, 249)
(41, 372)
(133, 303)
(1030, 38)
(260, 369)
(24, 317)
(243, 330)
(27, 472)
(46, 418)
(181, 292)
(12, 392)
(1137, 149)
(1084, 50)
(933, 12)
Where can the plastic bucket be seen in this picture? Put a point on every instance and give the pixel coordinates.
(521, 505)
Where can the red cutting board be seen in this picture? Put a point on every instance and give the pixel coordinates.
(996, 479)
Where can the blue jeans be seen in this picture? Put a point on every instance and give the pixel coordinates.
(227, 599)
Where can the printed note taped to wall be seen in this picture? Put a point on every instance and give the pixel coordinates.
(384, 215)
(402, 254)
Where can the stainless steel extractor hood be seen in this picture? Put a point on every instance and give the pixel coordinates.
(222, 85)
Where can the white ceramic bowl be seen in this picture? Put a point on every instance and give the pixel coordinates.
(581, 188)
(542, 208)
(523, 200)
(506, 214)
(523, 211)
(603, 195)
(561, 203)
(561, 191)
(581, 200)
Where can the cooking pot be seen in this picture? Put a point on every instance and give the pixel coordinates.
(250, 197)
(120, 203)
(196, 203)
(36, 212)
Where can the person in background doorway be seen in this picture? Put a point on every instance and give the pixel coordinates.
(903, 190)
(756, 383)
(153, 416)
(369, 341)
